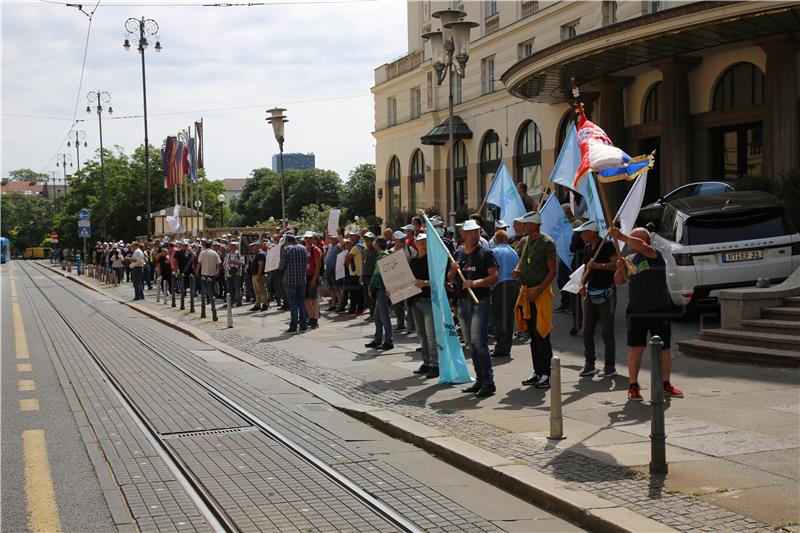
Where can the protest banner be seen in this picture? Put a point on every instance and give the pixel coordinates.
(340, 264)
(333, 221)
(397, 277)
(273, 258)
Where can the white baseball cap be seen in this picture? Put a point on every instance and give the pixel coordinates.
(470, 225)
(589, 225)
(531, 217)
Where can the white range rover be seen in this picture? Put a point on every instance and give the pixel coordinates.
(717, 242)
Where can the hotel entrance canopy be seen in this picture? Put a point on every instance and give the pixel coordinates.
(545, 76)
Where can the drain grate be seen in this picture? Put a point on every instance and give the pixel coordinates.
(208, 432)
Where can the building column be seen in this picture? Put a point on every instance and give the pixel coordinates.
(781, 129)
(610, 116)
(676, 131)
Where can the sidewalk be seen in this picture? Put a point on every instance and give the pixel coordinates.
(732, 444)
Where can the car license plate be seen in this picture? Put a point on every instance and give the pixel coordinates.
(748, 255)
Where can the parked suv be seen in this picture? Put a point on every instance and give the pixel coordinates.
(722, 241)
(653, 212)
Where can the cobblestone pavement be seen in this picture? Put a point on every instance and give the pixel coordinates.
(620, 485)
(260, 484)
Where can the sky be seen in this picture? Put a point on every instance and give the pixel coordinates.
(227, 65)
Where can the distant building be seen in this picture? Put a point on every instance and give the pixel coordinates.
(17, 189)
(298, 161)
(233, 188)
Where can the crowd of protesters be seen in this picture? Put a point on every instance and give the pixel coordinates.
(500, 285)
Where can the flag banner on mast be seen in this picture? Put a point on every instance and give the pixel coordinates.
(198, 130)
(629, 210)
(599, 155)
(556, 224)
(564, 172)
(452, 365)
(503, 194)
(193, 159)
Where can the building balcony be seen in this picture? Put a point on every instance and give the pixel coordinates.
(398, 67)
(529, 7)
(492, 23)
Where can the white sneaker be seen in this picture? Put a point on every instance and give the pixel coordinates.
(607, 373)
(543, 383)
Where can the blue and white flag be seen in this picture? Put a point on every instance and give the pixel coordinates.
(564, 171)
(556, 224)
(503, 194)
(452, 365)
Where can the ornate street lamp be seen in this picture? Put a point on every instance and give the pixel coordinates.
(100, 98)
(278, 119)
(143, 27)
(221, 200)
(452, 41)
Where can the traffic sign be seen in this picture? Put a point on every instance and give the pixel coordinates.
(54, 237)
(84, 232)
(84, 223)
(83, 214)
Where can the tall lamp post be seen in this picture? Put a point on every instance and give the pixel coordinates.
(65, 158)
(451, 42)
(100, 98)
(142, 28)
(80, 137)
(278, 119)
(221, 200)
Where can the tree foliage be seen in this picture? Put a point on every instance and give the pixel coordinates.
(358, 198)
(27, 221)
(27, 175)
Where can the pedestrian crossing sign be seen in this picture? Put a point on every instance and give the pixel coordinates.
(84, 232)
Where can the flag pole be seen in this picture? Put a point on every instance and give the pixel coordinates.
(461, 274)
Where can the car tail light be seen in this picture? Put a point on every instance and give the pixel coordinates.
(796, 248)
(688, 295)
(683, 259)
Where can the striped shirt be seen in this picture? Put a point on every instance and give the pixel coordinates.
(294, 261)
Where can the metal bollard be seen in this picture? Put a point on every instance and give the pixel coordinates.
(556, 420)
(183, 297)
(172, 284)
(191, 293)
(202, 300)
(658, 437)
(229, 304)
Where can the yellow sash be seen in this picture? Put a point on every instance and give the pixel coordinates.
(544, 311)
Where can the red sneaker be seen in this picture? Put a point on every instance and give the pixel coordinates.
(634, 394)
(671, 391)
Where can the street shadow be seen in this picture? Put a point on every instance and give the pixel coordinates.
(420, 397)
(632, 413)
(586, 386)
(656, 486)
(381, 385)
(524, 398)
(581, 464)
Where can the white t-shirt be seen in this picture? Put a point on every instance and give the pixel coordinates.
(137, 258)
(209, 262)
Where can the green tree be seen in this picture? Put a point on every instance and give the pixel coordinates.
(313, 186)
(26, 222)
(27, 175)
(358, 192)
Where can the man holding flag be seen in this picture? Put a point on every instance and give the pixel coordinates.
(534, 312)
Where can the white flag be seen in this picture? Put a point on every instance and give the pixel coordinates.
(629, 210)
(574, 283)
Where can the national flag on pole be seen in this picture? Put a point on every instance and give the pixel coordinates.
(193, 159)
(564, 171)
(556, 224)
(198, 130)
(452, 365)
(503, 194)
(599, 154)
(170, 171)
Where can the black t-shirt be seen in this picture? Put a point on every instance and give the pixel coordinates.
(648, 286)
(261, 257)
(419, 267)
(184, 261)
(475, 266)
(600, 279)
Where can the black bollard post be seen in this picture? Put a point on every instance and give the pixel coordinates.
(658, 437)
(172, 284)
(202, 299)
(191, 294)
(183, 295)
(229, 303)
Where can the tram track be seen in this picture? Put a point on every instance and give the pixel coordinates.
(214, 514)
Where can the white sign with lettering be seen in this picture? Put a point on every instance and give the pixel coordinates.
(397, 277)
(273, 258)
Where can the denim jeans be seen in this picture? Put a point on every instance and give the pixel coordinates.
(297, 307)
(474, 320)
(138, 283)
(423, 318)
(207, 284)
(603, 313)
(235, 289)
(383, 322)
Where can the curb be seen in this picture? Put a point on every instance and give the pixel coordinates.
(583, 508)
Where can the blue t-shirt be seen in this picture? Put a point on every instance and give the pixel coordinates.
(330, 257)
(507, 260)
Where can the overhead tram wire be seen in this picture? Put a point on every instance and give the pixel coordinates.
(218, 4)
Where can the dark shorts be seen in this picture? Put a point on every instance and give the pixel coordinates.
(656, 323)
(311, 292)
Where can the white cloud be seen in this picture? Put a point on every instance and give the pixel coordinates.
(300, 57)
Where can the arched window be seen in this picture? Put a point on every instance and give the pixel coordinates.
(393, 179)
(652, 104)
(460, 174)
(529, 156)
(740, 86)
(491, 153)
(417, 181)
